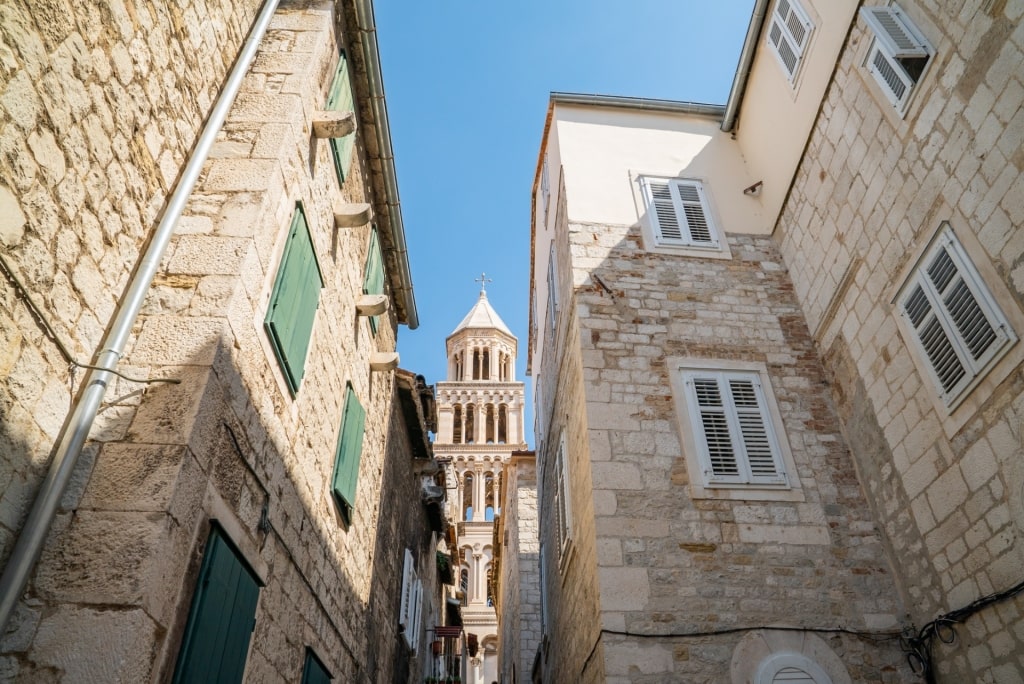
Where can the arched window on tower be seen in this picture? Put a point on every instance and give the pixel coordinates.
(489, 497)
(470, 420)
(476, 364)
(503, 423)
(457, 424)
(489, 424)
(485, 371)
(467, 497)
(457, 360)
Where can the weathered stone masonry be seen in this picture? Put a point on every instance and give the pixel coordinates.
(871, 191)
(103, 103)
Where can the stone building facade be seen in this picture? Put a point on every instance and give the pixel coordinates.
(516, 546)
(777, 355)
(277, 465)
(480, 425)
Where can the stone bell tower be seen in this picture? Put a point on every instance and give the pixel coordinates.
(480, 424)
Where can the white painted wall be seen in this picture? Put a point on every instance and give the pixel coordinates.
(776, 116)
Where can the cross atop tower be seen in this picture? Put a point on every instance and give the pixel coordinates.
(483, 280)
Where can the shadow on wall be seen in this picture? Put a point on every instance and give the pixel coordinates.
(112, 591)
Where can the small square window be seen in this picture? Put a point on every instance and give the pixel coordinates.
(294, 301)
(898, 54)
(788, 35)
(678, 213)
(954, 320)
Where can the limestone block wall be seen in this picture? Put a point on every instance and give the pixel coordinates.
(229, 444)
(572, 647)
(101, 103)
(872, 190)
(401, 524)
(519, 614)
(671, 560)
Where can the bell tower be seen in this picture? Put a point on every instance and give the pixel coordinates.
(480, 424)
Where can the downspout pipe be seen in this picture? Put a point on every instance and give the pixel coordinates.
(739, 81)
(378, 107)
(79, 422)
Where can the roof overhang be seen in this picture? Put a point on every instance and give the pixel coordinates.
(369, 89)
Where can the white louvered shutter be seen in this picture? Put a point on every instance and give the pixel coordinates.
(679, 213)
(714, 426)
(894, 41)
(666, 224)
(762, 456)
(788, 34)
(957, 325)
(408, 587)
(734, 431)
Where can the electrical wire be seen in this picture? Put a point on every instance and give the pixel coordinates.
(919, 647)
(51, 334)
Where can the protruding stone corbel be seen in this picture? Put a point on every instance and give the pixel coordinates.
(331, 124)
(351, 215)
(372, 304)
(383, 361)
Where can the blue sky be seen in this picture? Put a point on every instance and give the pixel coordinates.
(467, 87)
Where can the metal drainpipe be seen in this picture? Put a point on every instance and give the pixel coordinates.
(77, 425)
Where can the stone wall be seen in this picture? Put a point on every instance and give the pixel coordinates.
(674, 558)
(571, 649)
(519, 614)
(872, 190)
(103, 103)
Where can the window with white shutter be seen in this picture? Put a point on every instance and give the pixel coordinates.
(954, 320)
(733, 430)
(788, 35)
(411, 602)
(898, 55)
(563, 506)
(552, 289)
(679, 214)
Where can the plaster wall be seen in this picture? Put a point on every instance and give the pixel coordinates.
(772, 136)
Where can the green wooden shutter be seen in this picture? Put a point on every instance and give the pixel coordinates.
(294, 301)
(340, 100)
(221, 619)
(350, 449)
(314, 671)
(373, 280)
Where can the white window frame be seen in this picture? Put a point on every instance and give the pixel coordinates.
(410, 609)
(552, 290)
(935, 326)
(746, 484)
(562, 503)
(789, 33)
(690, 229)
(896, 39)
